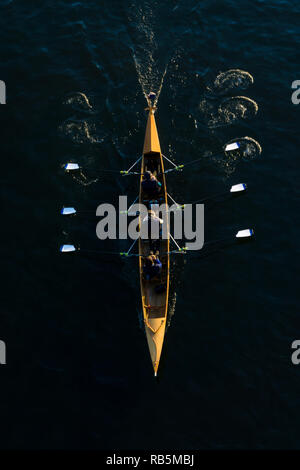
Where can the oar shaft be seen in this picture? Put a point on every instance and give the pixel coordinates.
(132, 246)
(174, 241)
(170, 161)
(138, 160)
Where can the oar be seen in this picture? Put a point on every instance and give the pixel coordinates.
(71, 211)
(179, 249)
(240, 236)
(228, 148)
(68, 211)
(70, 167)
(76, 249)
(234, 191)
(68, 248)
(232, 146)
(247, 233)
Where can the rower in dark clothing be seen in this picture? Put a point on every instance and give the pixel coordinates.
(151, 98)
(150, 185)
(154, 225)
(152, 267)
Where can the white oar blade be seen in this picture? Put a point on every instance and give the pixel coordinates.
(68, 211)
(71, 166)
(67, 248)
(233, 146)
(245, 233)
(238, 188)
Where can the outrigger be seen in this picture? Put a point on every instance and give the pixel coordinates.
(155, 292)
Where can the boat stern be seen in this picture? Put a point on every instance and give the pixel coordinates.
(155, 338)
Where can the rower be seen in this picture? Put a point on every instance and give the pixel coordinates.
(154, 225)
(151, 97)
(150, 185)
(152, 267)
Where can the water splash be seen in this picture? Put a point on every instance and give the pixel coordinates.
(150, 73)
(240, 107)
(81, 131)
(249, 150)
(249, 147)
(171, 309)
(79, 101)
(230, 80)
(83, 180)
(230, 111)
(148, 80)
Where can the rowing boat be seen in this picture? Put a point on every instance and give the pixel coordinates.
(154, 293)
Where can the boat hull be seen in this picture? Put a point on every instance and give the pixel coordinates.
(154, 293)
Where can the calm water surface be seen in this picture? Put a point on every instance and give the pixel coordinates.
(78, 372)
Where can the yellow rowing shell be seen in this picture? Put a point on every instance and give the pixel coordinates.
(155, 293)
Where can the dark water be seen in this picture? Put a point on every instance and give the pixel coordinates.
(78, 372)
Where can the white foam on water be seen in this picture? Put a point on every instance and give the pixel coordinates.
(230, 80)
(79, 101)
(150, 74)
